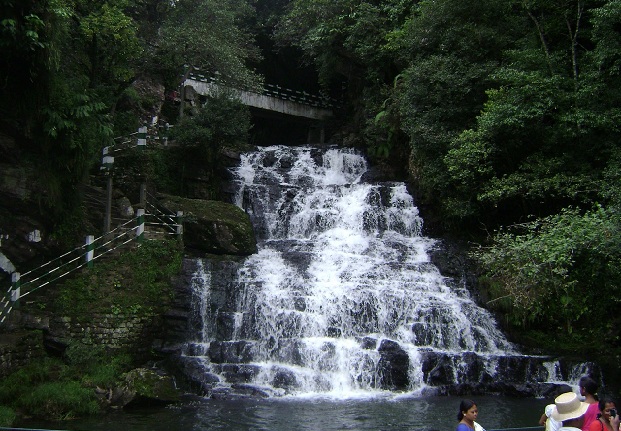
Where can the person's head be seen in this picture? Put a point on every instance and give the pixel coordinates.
(569, 410)
(467, 409)
(587, 386)
(605, 405)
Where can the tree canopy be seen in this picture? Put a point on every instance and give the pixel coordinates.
(504, 115)
(509, 109)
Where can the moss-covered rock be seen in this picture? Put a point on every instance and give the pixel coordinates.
(213, 226)
(144, 387)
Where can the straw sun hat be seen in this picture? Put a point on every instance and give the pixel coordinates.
(568, 406)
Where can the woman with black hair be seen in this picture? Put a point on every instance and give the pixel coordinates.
(607, 419)
(467, 417)
(588, 389)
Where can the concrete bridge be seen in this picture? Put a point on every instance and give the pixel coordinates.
(269, 98)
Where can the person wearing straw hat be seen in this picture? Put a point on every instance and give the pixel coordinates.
(547, 420)
(569, 410)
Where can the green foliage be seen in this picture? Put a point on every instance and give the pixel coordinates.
(555, 269)
(452, 49)
(22, 381)
(210, 35)
(113, 44)
(7, 416)
(145, 275)
(222, 121)
(71, 227)
(93, 365)
(59, 401)
(345, 37)
(55, 390)
(45, 389)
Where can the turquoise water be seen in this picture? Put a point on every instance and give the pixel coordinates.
(401, 413)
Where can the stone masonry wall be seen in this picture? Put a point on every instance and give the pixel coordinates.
(19, 349)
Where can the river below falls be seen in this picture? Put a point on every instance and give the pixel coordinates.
(312, 414)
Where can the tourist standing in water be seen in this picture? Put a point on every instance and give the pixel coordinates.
(608, 418)
(467, 417)
(588, 389)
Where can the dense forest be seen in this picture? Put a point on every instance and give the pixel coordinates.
(503, 115)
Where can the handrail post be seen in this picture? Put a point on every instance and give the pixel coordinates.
(142, 137)
(15, 288)
(140, 221)
(163, 134)
(143, 195)
(90, 250)
(180, 224)
(107, 166)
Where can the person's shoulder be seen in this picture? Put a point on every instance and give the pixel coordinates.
(594, 425)
(462, 427)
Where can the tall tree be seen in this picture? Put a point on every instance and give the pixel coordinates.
(350, 42)
(211, 35)
(544, 135)
(453, 49)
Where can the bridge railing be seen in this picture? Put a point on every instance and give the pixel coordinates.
(272, 90)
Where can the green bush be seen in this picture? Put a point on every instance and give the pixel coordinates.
(106, 374)
(554, 269)
(7, 416)
(59, 401)
(95, 366)
(133, 283)
(44, 389)
(22, 381)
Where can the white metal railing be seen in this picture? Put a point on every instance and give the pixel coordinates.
(272, 90)
(85, 255)
(169, 222)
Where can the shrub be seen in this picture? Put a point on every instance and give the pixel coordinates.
(554, 269)
(7, 416)
(59, 401)
(22, 381)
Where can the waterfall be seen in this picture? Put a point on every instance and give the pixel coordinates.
(342, 297)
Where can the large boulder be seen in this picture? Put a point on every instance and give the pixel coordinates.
(141, 386)
(213, 227)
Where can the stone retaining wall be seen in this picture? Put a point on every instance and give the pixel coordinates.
(19, 349)
(113, 332)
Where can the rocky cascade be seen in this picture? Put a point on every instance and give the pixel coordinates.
(342, 296)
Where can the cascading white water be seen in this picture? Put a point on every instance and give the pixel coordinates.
(342, 276)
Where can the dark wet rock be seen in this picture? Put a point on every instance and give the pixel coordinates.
(194, 374)
(285, 379)
(141, 387)
(237, 373)
(368, 343)
(231, 352)
(393, 365)
(250, 391)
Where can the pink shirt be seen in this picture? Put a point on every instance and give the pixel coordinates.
(590, 415)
